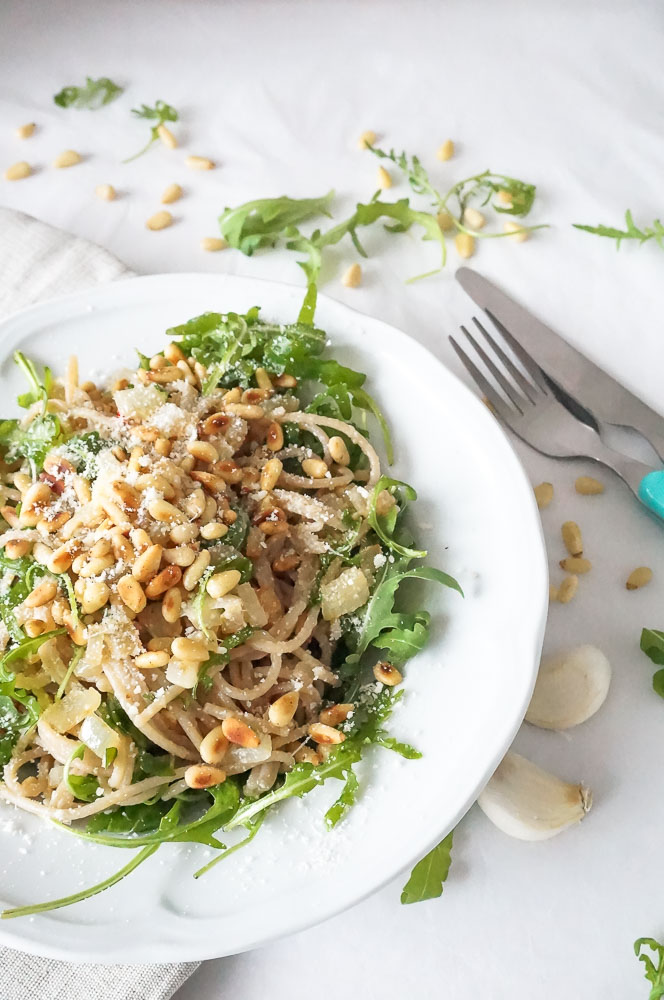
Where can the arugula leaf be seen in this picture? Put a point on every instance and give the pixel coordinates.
(148, 765)
(19, 711)
(25, 649)
(113, 713)
(653, 973)
(14, 593)
(82, 450)
(385, 525)
(652, 644)
(264, 222)
(33, 443)
(253, 826)
(345, 801)
(630, 232)
(38, 390)
(159, 114)
(229, 642)
(427, 877)
(82, 786)
(93, 94)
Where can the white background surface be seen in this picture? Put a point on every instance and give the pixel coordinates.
(564, 94)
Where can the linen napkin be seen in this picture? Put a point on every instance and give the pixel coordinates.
(38, 262)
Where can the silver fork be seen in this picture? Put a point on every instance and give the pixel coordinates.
(529, 408)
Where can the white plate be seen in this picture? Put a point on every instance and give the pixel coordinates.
(466, 694)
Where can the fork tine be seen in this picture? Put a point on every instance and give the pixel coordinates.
(496, 401)
(528, 363)
(515, 397)
(526, 387)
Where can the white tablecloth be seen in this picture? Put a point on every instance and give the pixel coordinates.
(566, 94)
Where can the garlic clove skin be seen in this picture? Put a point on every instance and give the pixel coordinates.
(528, 803)
(570, 688)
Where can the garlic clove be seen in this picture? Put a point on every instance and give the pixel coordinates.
(570, 688)
(528, 803)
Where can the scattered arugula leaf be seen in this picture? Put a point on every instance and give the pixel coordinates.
(427, 877)
(82, 786)
(83, 449)
(385, 525)
(39, 391)
(25, 649)
(92, 95)
(19, 711)
(653, 973)
(630, 232)
(253, 826)
(652, 644)
(159, 114)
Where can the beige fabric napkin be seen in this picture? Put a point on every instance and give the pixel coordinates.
(38, 262)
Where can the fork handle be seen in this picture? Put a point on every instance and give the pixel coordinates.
(651, 492)
(646, 483)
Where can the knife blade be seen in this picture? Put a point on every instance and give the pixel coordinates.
(576, 375)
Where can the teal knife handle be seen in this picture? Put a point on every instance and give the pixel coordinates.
(651, 492)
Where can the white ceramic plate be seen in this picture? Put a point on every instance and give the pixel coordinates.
(466, 694)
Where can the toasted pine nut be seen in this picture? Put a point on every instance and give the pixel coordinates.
(181, 555)
(115, 512)
(131, 593)
(222, 583)
(213, 530)
(504, 197)
(140, 539)
(10, 517)
(122, 547)
(516, 233)
(37, 495)
(229, 517)
(34, 628)
(273, 522)
(181, 533)
(172, 193)
(162, 510)
(160, 220)
(190, 649)
(105, 191)
(316, 468)
(576, 564)
(17, 548)
(446, 151)
(163, 581)
(199, 163)
(25, 131)
(203, 776)
(263, 380)
(445, 221)
(195, 503)
(384, 179)
(568, 589)
(281, 711)
(387, 674)
(134, 458)
(160, 375)
(97, 565)
(285, 563)
(543, 494)
(275, 437)
(335, 714)
(286, 381)
(465, 245)
(41, 553)
(325, 734)
(126, 495)
(238, 732)
(352, 277)
(588, 486)
(474, 218)
(42, 594)
(216, 423)
(233, 395)
(213, 244)
(215, 484)
(247, 412)
(152, 660)
(229, 471)
(572, 540)
(639, 577)
(270, 473)
(366, 139)
(184, 673)
(338, 450)
(307, 755)
(52, 524)
(18, 171)
(95, 595)
(69, 158)
(213, 746)
(147, 563)
(163, 447)
(196, 570)
(203, 451)
(171, 605)
(166, 136)
(553, 592)
(101, 548)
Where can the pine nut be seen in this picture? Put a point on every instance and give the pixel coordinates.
(203, 776)
(504, 197)
(126, 495)
(384, 179)
(543, 495)
(18, 171)
(576, 564)
(166, 136)
(163, 581)
(181, 533)
(474, 218)
(25, 131)
(69, 158)
(639, 577)
(41, 553)
(238, 732)
(140, 539)
(285, 563)
(163, 447)
(465, 245)
(446, 151)
(553, 592)
(10, 517)
(195, 503)
(196, 570)
(588, 486)
(445, 221)
(160, 220)
(367, 139)
(158, 643)
(95, 595)
(229, 471)
(181, 555)
(229, 517)
(222, 583)
(17, 548)
(162, 510)
(263, 380)
(232, 396)
(281, 711)
(209, 481)
(172, 193)
(307, 755)
(275, 437)
(97, 565)
(105, 191)
(325, 734)
(270, 474)
(37, 495)
(116, 514)
(568, 589)
(572, 538)
(216, 423)
(101, 548)
(316, 468)
(515, 232)
(147, 563)
(213, 244)
(213, 530)
(273, 522)
(131, 593)
(50, 525)
(245, 411)
(190, 649)
(286, 381)
(171, 605)
(152, 660)
(161, 376)
(352, 277)
(34, 628)
(338, 450)
(122, 547)
(203, 451)
(134, 458)
(199, 163)
(335, 714)
(184, 673)
(213, 746)
(387, 674)
(42, 594)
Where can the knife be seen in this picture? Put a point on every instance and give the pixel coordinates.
(578, 377)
